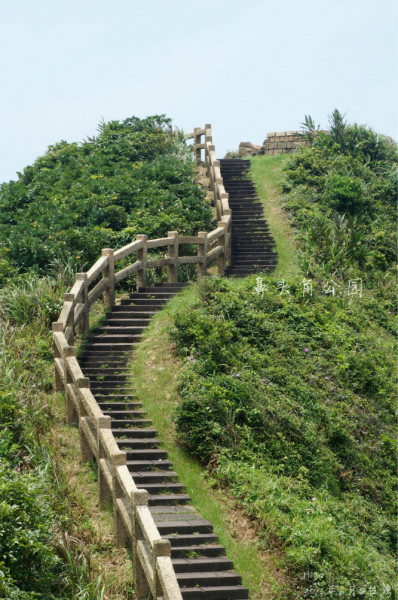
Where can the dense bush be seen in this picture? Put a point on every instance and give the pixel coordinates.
(290, 398)
(349, 172)
(135, 177)
(26, 532)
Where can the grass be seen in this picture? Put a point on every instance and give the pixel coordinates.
(155, 373)
(297, 451)
(113, 565)
(266, 172)
(40, 448)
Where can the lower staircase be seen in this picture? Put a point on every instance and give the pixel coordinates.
(203, 571)
(253, 247)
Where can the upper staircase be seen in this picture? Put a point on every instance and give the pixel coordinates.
(252, 245)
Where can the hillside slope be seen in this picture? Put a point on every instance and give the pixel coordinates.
(287, 389)
(136, 176)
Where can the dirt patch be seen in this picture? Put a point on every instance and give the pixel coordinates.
(242, 528)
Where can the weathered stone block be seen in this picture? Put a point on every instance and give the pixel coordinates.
(248, 149)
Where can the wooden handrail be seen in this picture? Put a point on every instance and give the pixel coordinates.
(133, 521)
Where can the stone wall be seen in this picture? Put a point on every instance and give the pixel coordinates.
(248, 149)
(278, 142)
(283, 142)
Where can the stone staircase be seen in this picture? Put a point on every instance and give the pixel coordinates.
(253, 247)
(202, 569)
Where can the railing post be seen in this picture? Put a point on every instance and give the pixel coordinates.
(197, 142)
(210, 170)
(172, 270)
(118, 460)
(105, 494)
(109, 272)
(202, 253)
(69, 325)
(70, 410)
(208, 137)
(142, 589)
(86, 311)
(121, 536)
(208, 141)
(221, 259)
(160, 548)
(85, 450)
(142, 255)
(59, 384)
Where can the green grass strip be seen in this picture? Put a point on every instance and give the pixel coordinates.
(266, 172)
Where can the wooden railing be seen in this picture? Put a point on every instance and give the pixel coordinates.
(214, 173)
(152, 567)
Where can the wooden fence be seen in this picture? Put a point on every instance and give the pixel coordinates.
(152, 566)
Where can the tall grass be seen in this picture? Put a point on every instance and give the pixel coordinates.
(42, 544)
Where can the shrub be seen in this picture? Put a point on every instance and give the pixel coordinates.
(350, 172)
(344, 194)
(135, 176)
(25, 526)
(289, 399)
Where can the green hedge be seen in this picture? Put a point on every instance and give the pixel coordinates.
(289, 398)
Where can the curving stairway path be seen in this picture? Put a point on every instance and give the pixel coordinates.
(203, 571)
(253, 247)
(202, 568)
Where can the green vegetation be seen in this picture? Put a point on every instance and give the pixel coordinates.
(135, 176)
(33, 515)
(341, 194)
(266, 172)
(155, 372)
(49, 546)
(287, 395)
(289, 399)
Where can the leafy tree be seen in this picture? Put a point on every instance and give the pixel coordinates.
(135, 176)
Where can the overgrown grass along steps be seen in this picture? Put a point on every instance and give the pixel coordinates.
(253, 247)
(202, 569)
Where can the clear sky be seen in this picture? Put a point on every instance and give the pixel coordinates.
(245, 66)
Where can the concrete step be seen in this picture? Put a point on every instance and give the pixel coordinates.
(191, 539)
(129, 312)
(193, 525)
(136, 443)
(205, 550)
(147, 454)
(209, 578)
(154, 477)
(121, 414)
(112, 329)
(154, 295)
(148, 435)
(162, 488)
(215, 593)
(143, 302)
(169, 499)
(160, 287)
(115, 405)
(105, 360)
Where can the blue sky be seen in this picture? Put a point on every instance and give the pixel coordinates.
(245, 66)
